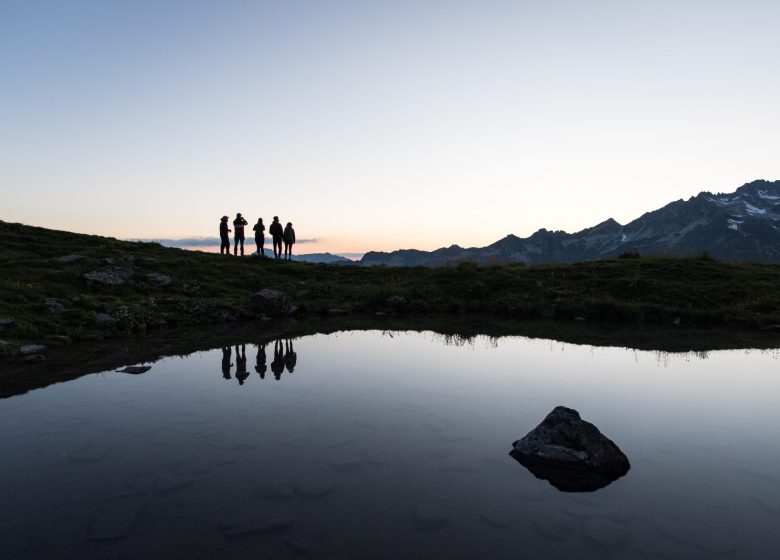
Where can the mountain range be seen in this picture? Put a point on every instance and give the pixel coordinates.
(739, 226)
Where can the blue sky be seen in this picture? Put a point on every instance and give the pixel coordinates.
(379, 125)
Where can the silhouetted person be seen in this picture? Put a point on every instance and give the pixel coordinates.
(260, 366)
(239, 224)
(290, 356)
(226, 365)
(259, 229)
(241, 372)
(289, 240)
(276, 236)
(277, 366)
(223, 236)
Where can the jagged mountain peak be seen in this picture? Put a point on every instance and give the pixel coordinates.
(742, 225)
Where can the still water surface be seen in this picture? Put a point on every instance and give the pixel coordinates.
(377, 444)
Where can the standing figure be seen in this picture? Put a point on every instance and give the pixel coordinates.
(259, 236)
(239, 224)
(241, 372)
(276, 236)
(289, 240)
(224, 248)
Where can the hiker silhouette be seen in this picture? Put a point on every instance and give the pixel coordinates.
(238, 236)
(224, 238)
(289, 240)
(259, 229)
(276, 236)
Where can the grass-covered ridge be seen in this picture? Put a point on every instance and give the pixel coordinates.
(212, 288)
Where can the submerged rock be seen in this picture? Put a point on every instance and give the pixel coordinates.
(570, 453)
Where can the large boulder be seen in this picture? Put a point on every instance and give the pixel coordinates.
(53, 305)
(270, 302)
(570, 453)
(158, 280)
(110, 275)
(68, 259)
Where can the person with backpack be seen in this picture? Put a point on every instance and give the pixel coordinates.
(276, 236)
(238, 236)
(289, 240)
(224, 238)
(259, 229)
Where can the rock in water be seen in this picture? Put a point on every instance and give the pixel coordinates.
(570, 453)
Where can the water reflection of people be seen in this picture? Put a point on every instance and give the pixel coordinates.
(277, 366)
(290, 356)
(241, 371)
(260, 366)
(226, 365)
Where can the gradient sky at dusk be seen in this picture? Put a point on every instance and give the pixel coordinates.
(379, 125)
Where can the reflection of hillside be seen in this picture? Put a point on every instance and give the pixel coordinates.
(67, 363)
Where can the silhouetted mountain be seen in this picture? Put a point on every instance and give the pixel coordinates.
(743, 225)
(327, 258)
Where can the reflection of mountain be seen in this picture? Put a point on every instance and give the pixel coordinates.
(744, 225)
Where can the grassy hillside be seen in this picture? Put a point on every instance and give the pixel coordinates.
(41, 296)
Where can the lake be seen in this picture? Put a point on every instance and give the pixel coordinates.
(392, 444)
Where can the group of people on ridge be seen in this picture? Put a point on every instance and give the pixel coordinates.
(278, 236)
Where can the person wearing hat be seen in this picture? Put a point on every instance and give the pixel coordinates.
(276, 236)
(239, 224)
(223, 236)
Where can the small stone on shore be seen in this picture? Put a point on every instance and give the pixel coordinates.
(67, 259)
(28, 349)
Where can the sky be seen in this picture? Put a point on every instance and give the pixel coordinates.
(379, 125)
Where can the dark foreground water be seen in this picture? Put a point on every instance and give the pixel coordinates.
(392, 445)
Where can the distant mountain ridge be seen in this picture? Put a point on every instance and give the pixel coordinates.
(741, 226)
(323, 258)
